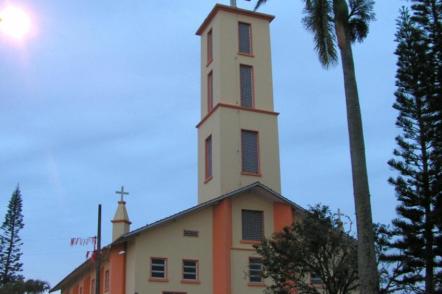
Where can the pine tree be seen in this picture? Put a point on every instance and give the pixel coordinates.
(10, 265)
(416, 226)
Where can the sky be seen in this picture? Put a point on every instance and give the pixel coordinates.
(102, 93)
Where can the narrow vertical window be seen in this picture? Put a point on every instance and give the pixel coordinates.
(81, 290)
(210, 92)
(190, 270)
(93, 287)
(208, 158)
(246, 85)
(106, 281)
(255, 270)
(252, 225)
(250, 152)
(209, 47)
(245, 38)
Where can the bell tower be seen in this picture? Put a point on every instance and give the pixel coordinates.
(238, 131)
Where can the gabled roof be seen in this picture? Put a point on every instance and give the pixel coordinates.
(83, 268)
(256, 187)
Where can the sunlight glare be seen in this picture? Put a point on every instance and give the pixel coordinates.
(15, 22)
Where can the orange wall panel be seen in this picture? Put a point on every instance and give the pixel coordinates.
(87, 285)
(222, 242)
(117, 270)
(282, 216)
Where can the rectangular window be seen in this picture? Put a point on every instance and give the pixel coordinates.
(106, 281)
(208, 158)
(315, 279)
(255, 270)
(250, 152)
(93, 287)
(209, 47)
(210, 92)
(190, 233)
(252, 225)
(246, 85)
(245, 38)
(190, 270)
(158, 267)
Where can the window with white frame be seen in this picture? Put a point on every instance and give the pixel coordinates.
(190, 270)
(255, 270)
(158, 268)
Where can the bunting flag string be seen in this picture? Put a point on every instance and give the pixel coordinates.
(77, 241)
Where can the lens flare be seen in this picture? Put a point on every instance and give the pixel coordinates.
(15, 22)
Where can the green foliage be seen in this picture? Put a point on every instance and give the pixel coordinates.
(10, 254)
(24, 287)
(389, 272)
(317, 244)
(322, 16)
(418, 226)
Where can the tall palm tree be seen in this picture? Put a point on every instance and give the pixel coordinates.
(338, 24)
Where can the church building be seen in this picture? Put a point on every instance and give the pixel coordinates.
(208, 248)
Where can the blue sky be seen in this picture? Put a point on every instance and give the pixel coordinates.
(105, 91)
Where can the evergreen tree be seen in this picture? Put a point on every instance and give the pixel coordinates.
(416, 226)
(336, 25)
(10, 265)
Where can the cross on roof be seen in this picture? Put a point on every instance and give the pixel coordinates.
(122, 193)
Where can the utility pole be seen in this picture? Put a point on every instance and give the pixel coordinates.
(98, 254)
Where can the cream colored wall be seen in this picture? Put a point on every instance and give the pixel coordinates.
(212, 188)
(241, 252)
(130, 266)
(250, 201)
(168, 241)
(225, 125)
(226, 62)
(230, 60)
(240, 271)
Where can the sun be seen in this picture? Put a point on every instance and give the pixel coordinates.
(15, 22)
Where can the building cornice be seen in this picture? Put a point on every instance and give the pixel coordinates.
(234, 10)
(231, 106)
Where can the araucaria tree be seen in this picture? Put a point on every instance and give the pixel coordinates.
(313, 256)
(418, 227)
(10, 265)
(337, 24)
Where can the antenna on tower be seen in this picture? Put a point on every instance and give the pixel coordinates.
(233, 3)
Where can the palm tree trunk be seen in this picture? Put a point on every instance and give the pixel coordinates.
(368, 275)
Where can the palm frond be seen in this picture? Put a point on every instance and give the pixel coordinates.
(360, 15)
(258, 3)
(319, 20)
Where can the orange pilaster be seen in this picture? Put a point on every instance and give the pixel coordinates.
(222, 242)
(87, 285)
(117, 270)
(282, 216)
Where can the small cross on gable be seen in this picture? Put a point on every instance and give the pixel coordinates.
(122, 193)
